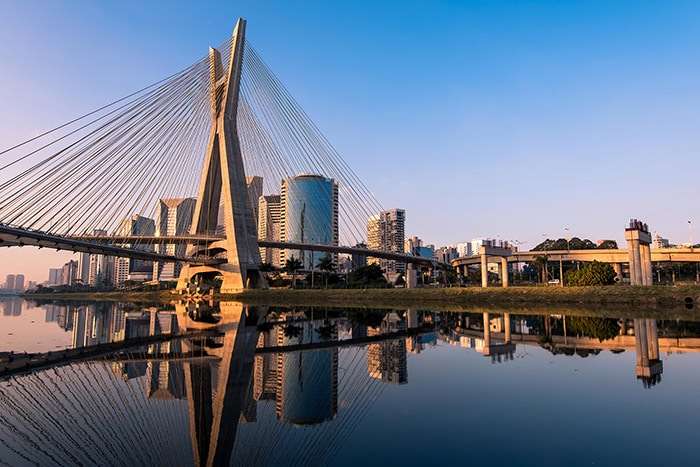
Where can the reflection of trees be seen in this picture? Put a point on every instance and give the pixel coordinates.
(598, 328)
(369, 318)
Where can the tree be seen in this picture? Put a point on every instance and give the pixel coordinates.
(608, 245)
(367, 275)
(540, 261)
(595, 273)
(292, 265)
(449, 274)
(598, 328)
(326, 265)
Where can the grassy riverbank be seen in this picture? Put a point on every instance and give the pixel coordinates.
(665, 296)
(521, 298)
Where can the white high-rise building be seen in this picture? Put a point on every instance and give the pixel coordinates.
(174, 218)
(386, 232)
(269, 227)
(124, 268)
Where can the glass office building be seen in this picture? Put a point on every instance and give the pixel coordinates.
(309, 205)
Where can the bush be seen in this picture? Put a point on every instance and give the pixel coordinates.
(595, 273)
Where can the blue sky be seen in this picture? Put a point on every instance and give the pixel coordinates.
(508, 119)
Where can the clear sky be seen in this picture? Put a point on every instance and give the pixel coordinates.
(503, 119)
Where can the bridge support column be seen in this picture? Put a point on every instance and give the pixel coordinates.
(484, 270)
(506, 327)
(638, 241)
(411, 277)
(487, 335)
(504, 271)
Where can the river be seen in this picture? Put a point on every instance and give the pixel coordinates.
(330, 386)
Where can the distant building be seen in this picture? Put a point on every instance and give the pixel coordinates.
(174, 218)
(359, 260)
(464, 249)
(10, 282)
(55, 275)
(135, 269)
(385, 232)
(658, 242)
(269, 227)
(101, 269)
(411, 245)
(69, 273)
(446, 254)
(309, 205)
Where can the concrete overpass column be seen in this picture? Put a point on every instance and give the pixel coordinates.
(642, 342)
(504, 271)
(638, 241)
(645, 255)
(411, 277)
(484, 271)
(506, 324)
(487, 335)
(653, 339)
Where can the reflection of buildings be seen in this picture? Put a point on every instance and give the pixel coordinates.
(646, 339)
(387, 360)
(307, 391)
(12, 307)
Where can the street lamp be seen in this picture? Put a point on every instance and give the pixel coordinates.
(690, 231)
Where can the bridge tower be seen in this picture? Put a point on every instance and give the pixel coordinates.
(224, 180)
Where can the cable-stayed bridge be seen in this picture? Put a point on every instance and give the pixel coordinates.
(221, 133)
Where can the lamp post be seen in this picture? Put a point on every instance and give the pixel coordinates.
(690, 232)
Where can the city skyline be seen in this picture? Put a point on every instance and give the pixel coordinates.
(510, 99)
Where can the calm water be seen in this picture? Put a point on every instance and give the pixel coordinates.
(276, 386)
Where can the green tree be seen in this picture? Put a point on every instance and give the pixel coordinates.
(326, 265)
(540, 261)
(449, 274)
(293, 265)
(371, 275)
(595, 273)
(597, 328)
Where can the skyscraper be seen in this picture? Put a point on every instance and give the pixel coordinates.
(174, 218)
(269, 223)
(309, 205)
(385, 232)
(124, 268)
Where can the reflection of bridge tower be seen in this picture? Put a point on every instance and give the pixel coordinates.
(638, 241)
(646, 338)
(496, 351)
(224, 180)
(218, 393)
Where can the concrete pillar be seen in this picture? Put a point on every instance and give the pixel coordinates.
(411, 277)
(504, 271)
(506, 324)
(487, 334)
(561, 273)
(635, 263)
(484, 271)
(642, 343)
(653, 339)
(645, 257)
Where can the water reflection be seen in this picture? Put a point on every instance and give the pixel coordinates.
(267, 385)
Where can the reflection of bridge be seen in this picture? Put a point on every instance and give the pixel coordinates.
(201, 132)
